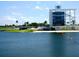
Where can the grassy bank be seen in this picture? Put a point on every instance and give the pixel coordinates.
(19, 30)
(8, 29)
(14, 30)
(4, 28)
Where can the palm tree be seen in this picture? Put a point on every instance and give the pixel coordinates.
(16, 22)
(73, 22)
(26, 23)
(68, 23)
(45, 22)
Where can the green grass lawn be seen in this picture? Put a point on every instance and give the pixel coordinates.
(8, 29)
(5, 28)
(14, 30)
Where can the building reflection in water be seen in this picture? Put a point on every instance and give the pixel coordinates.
(57, 44)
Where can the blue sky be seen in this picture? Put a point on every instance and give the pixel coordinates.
(31, 11)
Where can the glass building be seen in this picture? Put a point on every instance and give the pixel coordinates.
(58, 18)
(61, 17)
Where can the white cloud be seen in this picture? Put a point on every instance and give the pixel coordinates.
(7, 20)
(11, 8)
(47, 8)
(15, 13)
(38, 8)
(41, 8)
(58, 2)
(23, 17)
(10, 18)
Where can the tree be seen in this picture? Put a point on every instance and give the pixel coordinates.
(13, 24)
(26, 24)
(73, 22)
(68, 23)
(40, 24)
(45, 22)
(34, 24)
(16, 21)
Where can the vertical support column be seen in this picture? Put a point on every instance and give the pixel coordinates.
(70, 17)
(50, 17)
(74, 15)
(65, 16)
(73, 19)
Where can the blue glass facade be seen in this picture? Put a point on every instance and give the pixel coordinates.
(58, 18)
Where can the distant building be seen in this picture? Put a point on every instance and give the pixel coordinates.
(61, 17)
(43, 28)
(57, 17)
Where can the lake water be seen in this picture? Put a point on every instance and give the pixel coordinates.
(39, 44)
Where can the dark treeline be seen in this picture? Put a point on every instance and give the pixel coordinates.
(34, 24)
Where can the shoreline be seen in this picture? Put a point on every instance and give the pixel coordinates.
(59, 31)
(56, 31)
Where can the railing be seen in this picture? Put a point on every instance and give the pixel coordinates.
(72, 27)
